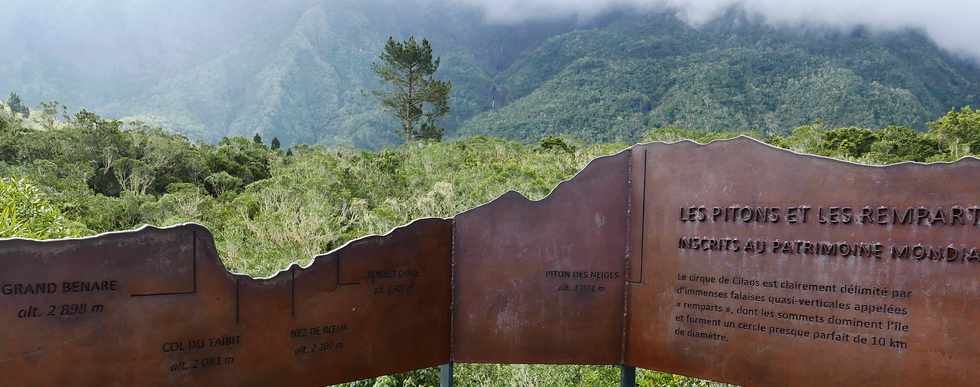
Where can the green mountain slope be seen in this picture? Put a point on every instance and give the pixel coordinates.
(312, 83)
(613, 82)
(299, 70)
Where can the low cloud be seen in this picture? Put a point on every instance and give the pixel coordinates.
(953, 24)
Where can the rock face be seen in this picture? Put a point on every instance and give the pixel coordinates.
(732, 261)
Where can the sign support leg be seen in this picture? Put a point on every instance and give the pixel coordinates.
(446, 375)
(628, 376)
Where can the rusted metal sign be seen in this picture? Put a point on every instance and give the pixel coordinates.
(766, 268)
(732, 261)
(156, 307)
(542, 282)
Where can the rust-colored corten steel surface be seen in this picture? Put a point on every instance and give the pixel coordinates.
(732, 261)
(766, 268)
(156, 308)
(542, 282)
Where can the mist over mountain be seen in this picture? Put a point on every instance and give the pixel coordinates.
(951, 23)
(300, 70)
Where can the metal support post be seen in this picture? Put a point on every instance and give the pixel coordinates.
(446, 375)
(628, 376)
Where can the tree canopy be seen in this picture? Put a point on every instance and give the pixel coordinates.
(959, 131)
(414, 96)
(17, 106)
(25, 211)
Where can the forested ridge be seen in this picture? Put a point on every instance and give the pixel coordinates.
(636, 73)
(300, 71)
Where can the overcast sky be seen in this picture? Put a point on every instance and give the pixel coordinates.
(954, 24)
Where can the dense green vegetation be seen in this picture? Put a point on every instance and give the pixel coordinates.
(301, 71)
(643, 71)
(84, 174)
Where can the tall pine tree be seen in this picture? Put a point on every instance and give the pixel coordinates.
(414, 96)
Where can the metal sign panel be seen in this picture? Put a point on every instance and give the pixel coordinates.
(762, 267)
(542, 282)
(156, 307)
(733, 261)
